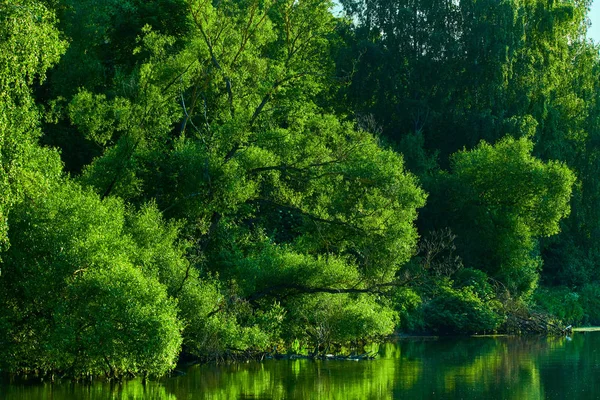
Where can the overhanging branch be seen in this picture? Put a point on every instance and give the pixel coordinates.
(291, 289)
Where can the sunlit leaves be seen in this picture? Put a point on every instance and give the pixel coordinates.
(82, 292)
(513, 199)
(30, 45)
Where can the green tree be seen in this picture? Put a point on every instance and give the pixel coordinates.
(102, 38)
(570, 258)
(279, 198)
(74, 298)
(30, 45)
(438, 76)
(500, 200)
(460, 72)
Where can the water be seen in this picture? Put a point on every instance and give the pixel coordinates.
(446, 368)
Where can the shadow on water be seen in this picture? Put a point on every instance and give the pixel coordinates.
(473, 368)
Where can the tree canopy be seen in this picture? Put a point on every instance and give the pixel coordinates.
(227, 178)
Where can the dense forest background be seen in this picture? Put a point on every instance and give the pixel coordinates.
(233, 177)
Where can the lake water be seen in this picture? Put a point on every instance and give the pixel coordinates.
(444, 368)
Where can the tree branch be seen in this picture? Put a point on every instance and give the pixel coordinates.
(288, 167)
(310, 216)
(215, 62)
(298, 289)
(268, 95)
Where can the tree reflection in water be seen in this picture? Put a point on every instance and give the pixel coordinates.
(474, 368)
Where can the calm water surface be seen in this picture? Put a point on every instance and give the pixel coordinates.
(446, 368)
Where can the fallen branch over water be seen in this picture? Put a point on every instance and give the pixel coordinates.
(533, 323)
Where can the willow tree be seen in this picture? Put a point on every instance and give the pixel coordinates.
(87, 286)
(282, 201)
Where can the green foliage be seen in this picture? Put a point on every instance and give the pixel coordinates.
(74, 297)
(562, 303)
(280, 267)
(114, 322)
(461, 310)
(539, 191)
(477, 280)
(329, 319)
(418, 161)
(30, 45)
(103, 37)
(502, 200)
(407, 303)
(572, 307)
(440, 75)
(278, 198)
(589, 297)
(224, 202)
(460, 72)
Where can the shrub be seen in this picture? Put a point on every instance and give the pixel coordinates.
(461, 311)
(561, 302)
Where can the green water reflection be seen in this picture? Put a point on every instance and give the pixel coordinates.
(470, 368)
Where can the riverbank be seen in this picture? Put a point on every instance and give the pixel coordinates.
(587, 329)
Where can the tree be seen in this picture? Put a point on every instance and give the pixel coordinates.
(30, 45)
(69, 298)
(499, 201)
(275, 194)
(570, 258)
(74, 297)
(461, 72)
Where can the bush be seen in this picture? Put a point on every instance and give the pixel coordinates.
(338, 319)
(115, 321)
(461, 311)
(561, 302)
(407, 303)
(75, 295)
